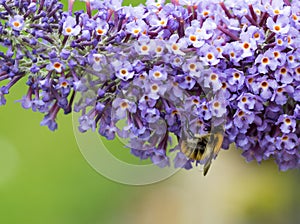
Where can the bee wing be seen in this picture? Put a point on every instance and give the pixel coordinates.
(212, 149)
(208, 156)
(218, 143)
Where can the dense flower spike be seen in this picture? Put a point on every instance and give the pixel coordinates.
(162, 69)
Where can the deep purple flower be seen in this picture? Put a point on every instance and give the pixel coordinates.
(242, 120)
(287, 142)
(280, 95)
(264, 88)
(186, 81)
(236, 79)
(287, 161)
(64, 85)
(287, 123)
(266, 61)
(248, 102)
(55, 65)
(123, 70)
(284, 75)
(297, 111)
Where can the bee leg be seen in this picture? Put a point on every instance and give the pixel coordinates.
(206, 168)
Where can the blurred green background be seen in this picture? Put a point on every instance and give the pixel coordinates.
(45, 179)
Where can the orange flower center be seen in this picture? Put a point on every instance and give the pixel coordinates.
(224, 85)
(16, 24)
(123, 71)
(288, 121)
(188, 78)
(192, 66)
(264, 84)
(145, 48)
(280, 90)
(265, 60)
(216, 104)
(154, 87)
(158, 49)
(241, 113)
(100, 31)
(277, 28)
(276, 11)
(68, 29)
(210, 56)
(124, 105)
(213, 77)
(57, 65)
(205, 13)
(175, 47)
(64, 84)
(283, 70)
(246, 45)
(195, 101)
(157, 74)
(193, 38)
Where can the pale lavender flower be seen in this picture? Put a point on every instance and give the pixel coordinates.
(16, 22)
(70, 27)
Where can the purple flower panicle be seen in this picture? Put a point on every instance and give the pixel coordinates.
(159, 67)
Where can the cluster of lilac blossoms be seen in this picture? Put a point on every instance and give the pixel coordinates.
(147, 73)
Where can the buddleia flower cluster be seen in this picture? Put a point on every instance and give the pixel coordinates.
(150, 72)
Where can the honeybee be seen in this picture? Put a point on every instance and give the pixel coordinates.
(202, 148)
